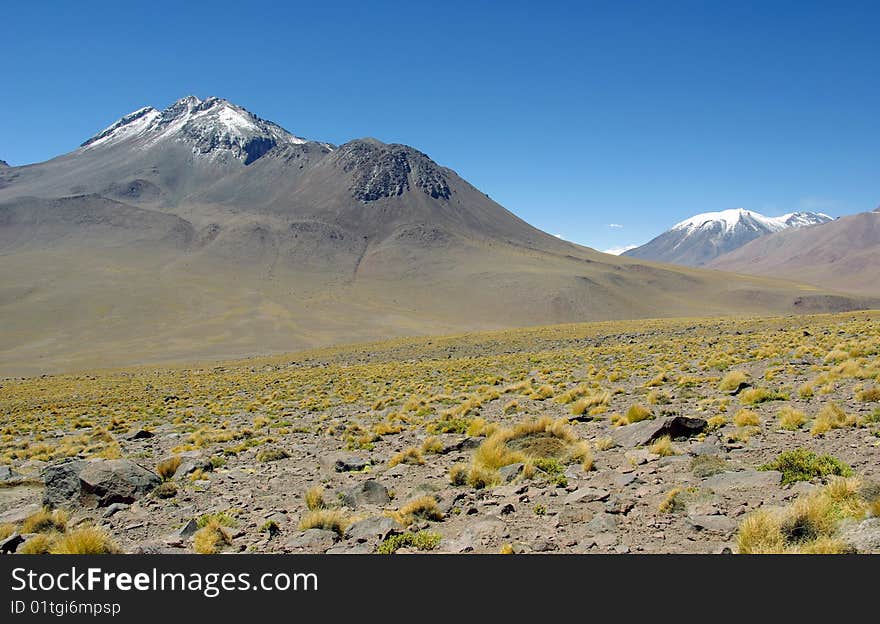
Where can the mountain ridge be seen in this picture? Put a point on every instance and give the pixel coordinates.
(184, 235)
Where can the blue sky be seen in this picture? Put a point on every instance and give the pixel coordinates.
(575, 116)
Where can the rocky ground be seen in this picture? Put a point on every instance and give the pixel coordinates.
(324, 452)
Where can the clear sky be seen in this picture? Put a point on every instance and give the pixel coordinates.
(604, 122)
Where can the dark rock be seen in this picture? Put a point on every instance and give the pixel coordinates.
(98, 483)
(11, 543)
(641, 433)
(508, 509)
(188, 529)
(742, 386)
(141, 434)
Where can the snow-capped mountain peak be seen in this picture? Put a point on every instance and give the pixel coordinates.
(727, 220)
(211, 127)
(703, 237)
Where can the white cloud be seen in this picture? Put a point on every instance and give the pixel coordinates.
(616, 251)
(615, 225)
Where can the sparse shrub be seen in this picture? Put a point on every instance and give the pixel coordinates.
(39, 544)
(673, 501)
(604, 443)
(703, 466)
(715, 422)
(831, 416)
(84, 541)
(423, 507)
(314, 498)
(327, 519)
(411, 456)
(45, 521)
(6, 530)
(432, 444)
(211, 538)
(166, 489)
(746, 418)
(753, 396)
(869, 394)
(804, 465)
(506, 549)
(636, 413)
(659, 397)
(732, 380)
(458, 474)
(423, 540)
(271, 527)
(663, 446)
(272, 454)
(791, 419)
(540, 510)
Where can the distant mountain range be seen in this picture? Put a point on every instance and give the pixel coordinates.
(702, 238)
(843, 254)
(204, 231)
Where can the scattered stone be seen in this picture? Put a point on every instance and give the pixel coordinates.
(863, 536)
(743, 480)
(115, 508)
(372, 530)
(543, 545)
(312, 539)
(713, 523)
(605, 540)
(351, 549)
(508, 509)
(601, 523)
(188, 529)
(742, 386)
(511, 472)
(586, 495)
(343, 462)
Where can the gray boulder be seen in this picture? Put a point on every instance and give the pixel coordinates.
(62, 482)
(370, 492)
(96, 483)
(372, 530)
(863, 536)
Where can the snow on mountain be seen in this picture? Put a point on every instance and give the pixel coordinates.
(729, 219)
(212, 126)
(705, 236)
